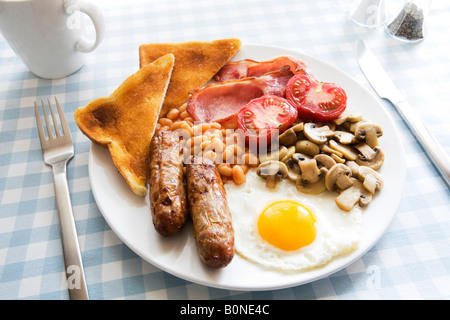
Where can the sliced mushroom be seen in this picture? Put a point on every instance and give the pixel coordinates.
(365, 150)
(346, 151)
(290, 152)
(354, 167)
(282, 153)
(326, 149)
(338, 177)
(297, 127)
(338, 159)
(310, 171)
(311, 188)
(368, 132)
(345, 137)
(300, 156)
(348, 115)
(371, 179)
(307, 147)
(372, 158)
(272, 171)
(288, 138)
(324, 161)
(350, 196)
(274, 155)
(312, 180)
(317, 134)
(293, 167)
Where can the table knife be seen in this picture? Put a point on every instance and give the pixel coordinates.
(386, 89)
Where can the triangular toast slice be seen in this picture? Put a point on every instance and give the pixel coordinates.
(125, 121)
(196, 62)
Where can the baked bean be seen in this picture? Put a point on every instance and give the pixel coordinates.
(184, 115)
(186, 126)
(210, 155)
(178, 125)
(165, 122)
(228, 154)
(238, 150)
(217, 144)
(205, 144)
(225, 169)
(189, 119)
(173, 114)
(182, 108)
(238, 175)
(250, 159)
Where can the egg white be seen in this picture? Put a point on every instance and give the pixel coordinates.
(338, 232)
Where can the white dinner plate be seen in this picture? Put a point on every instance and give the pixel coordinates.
(130, 218)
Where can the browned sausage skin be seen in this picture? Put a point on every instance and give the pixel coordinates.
(167, 191)
(209, 211)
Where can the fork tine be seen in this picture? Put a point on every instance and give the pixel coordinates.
(40, 127)
(62, 119)
(55, 123)
(47, 122)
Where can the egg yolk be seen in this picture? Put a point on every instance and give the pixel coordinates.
(287, 225)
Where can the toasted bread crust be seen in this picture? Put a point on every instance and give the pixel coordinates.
(196, 63)
(125, 121)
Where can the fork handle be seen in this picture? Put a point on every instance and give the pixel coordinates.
(71, 250)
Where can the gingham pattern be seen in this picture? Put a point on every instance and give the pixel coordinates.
(412, 259)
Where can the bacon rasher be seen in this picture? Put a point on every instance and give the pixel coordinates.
(220, 102)
(250, 68)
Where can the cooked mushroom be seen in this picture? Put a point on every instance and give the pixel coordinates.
(317, 134)
(350, 196)
(369, 132)
(325, 148)
(309, 169)
(338, 177)
(354, 167)
(348, 115)
(293, 167)
(345, 137)
(371, 179)
(307, 147)
(311, 188)
(273, 171)
(274, 155)
(337, 158)
(312, 180)
(300, 156)
(288, 138)
(289, 153)
(282, 152)
(346, 151)
(365, 150)
(324, 161)
(297, 127)
(372, 158)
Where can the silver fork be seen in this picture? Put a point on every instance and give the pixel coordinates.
(57, 150)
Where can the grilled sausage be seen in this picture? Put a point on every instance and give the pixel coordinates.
(167, 190)
(209, 211)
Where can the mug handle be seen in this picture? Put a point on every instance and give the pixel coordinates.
(96, 15)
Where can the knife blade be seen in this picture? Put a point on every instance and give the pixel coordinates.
(386, 89)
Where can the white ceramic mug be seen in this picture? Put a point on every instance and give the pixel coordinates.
(48, 34)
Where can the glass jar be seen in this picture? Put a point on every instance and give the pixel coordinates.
(409, 24)
(368, 13)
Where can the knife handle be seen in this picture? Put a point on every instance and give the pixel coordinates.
(432, 149)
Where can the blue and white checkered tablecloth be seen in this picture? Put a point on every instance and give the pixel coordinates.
(412, 259)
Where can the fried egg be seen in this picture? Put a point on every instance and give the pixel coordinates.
(285, 229)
